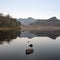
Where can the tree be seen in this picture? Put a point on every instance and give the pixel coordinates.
(8, 21)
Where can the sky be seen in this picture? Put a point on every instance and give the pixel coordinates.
(40, 9)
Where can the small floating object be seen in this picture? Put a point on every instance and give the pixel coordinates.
(31, 45)
(28, 41)
(29, 51)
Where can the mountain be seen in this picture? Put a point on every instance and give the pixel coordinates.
(27, 21)
(47, 22)
(53, 21)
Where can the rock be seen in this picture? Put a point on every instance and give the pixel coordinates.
(29, 51)
(31, 45)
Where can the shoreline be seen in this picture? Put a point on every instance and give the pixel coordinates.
(9, 28)
(39, 28)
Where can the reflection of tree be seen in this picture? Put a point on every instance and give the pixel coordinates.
(50, 33)
(8, 35)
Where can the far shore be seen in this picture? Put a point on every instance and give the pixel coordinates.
(39, 28)
(30, 28)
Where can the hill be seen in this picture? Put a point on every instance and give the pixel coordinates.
(27, 21)
(46, 22)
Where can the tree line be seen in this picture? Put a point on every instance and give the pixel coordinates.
(8, 21)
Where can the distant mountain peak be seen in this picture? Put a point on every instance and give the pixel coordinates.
(29, 18)
(27, 21)
(53, 18)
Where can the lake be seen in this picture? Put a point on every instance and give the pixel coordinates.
(30, 45)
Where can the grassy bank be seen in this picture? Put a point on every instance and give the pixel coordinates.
(10, 28)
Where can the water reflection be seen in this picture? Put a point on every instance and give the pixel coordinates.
(36, 48)
(53, 34)
(8, 36)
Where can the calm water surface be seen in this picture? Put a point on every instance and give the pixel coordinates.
(42, 45)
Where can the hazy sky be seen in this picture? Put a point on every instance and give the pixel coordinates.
(31, 8)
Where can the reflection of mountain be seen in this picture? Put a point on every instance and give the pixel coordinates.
(48, 33)
(8, 36)
(27, 34)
